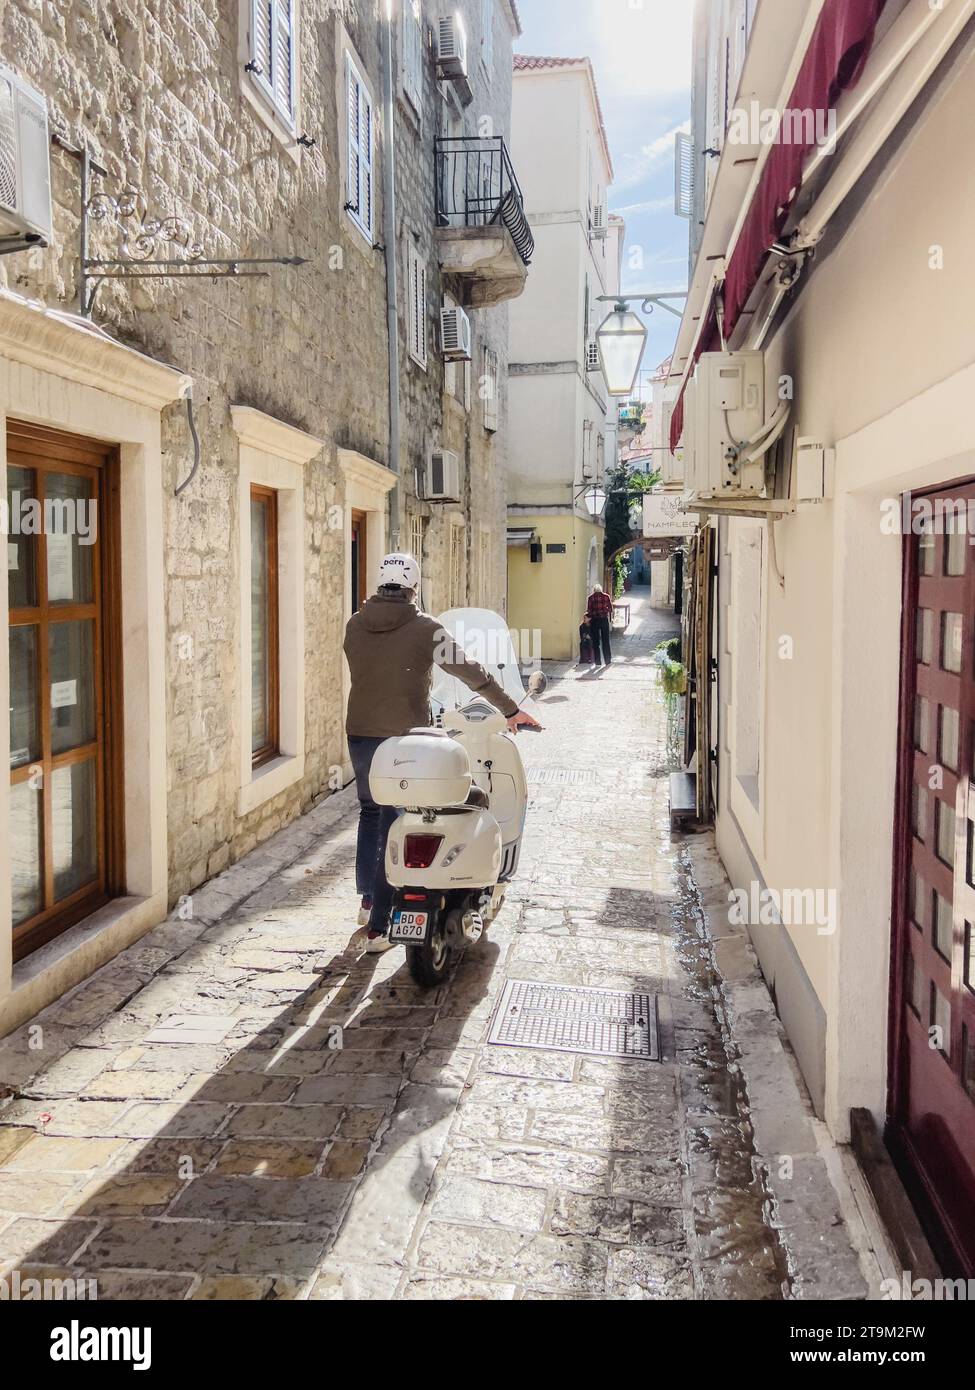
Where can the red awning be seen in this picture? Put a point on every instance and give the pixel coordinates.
(834, 61)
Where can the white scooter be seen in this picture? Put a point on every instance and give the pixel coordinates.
(462, 795)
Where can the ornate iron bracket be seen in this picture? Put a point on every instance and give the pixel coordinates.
(140, 235)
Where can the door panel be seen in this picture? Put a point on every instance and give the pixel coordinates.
(65, 681)
(932, 1126)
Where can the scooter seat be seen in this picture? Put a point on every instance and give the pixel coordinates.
(478, 797)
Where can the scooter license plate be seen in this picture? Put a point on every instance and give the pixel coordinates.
(409, 926)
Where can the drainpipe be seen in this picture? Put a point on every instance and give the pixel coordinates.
(389, 239)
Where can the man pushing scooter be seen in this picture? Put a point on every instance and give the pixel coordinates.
(392, 649)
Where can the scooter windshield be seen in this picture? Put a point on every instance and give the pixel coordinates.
(485, 637)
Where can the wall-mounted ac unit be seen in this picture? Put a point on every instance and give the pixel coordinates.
(600, 226)
(25, 162)
(729, 411)
(452, 47)
(592, 357)
(455, 335)
(443, 477)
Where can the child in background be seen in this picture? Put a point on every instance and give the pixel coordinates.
(586, 653)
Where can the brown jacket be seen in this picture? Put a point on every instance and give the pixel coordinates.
(392, 647)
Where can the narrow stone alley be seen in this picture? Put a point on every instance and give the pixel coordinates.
(243, 1106)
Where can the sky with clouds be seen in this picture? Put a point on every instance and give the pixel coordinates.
(641, 53)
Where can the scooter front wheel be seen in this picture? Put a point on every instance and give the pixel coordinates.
(429, 961)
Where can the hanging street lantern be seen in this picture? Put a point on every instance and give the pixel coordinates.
(621, 338)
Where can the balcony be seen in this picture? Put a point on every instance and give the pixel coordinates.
(483, 236)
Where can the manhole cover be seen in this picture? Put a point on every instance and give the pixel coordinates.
(562, 1018)
(562, 776)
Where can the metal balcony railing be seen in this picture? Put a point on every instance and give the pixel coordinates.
(477, 187)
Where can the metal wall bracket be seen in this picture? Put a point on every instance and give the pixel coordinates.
(140, 235)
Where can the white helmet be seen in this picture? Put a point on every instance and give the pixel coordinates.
(402, 570)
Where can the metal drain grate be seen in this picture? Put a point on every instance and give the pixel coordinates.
(562, 776)
(563, 1018)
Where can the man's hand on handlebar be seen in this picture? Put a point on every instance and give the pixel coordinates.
(523, 720)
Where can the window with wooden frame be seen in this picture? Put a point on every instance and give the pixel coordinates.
(360, 560)
(273, 57)
(359, 203)
(417, 295)
(66, 772)
(265, 647)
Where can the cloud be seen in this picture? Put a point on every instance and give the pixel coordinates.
(651, 205)
(636, 167)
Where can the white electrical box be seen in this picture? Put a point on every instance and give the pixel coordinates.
(25, 161)
(729, 411)
(814, 465)
(443, 477)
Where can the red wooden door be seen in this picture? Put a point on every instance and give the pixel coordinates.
(932, 1101)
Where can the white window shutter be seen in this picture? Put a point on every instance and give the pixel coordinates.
(683, 174)
(283, 64)
(738, 45)
(360, 198)
(418, 306)
(487, 33)
(413, 53)
(491, 389)
(353, 136)
(365, 177)
(262, 42)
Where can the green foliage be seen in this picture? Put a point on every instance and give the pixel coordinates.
(623, 490)
(672, 646)
(621, 568)
(673, 677)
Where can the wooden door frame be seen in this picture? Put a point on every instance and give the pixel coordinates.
(102, 461)
(269, 498)
(938, 1222)
(360, 531)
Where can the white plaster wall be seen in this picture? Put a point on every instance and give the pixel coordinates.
(881, 350)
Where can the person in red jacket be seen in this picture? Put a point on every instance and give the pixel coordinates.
(600, 612)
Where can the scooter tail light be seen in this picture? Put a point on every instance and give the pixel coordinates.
(419, 851)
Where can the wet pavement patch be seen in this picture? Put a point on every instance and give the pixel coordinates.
(563, 1018)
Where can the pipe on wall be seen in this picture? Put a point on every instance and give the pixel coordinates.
(389, 239)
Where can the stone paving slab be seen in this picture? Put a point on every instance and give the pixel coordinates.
(244, 1106)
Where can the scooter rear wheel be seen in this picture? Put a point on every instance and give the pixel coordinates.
(430, 961)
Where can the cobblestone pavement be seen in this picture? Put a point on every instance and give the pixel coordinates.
(183, 1125)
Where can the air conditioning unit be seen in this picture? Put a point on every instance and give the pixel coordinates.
(443, 477)
(600, 226)
(593, 363)
(25, 162)
(729, 411)
(452, 47)
(455, 335)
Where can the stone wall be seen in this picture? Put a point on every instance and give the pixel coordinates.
(157, 92)
(431, 417)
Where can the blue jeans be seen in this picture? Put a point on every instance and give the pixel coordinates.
(374, 823)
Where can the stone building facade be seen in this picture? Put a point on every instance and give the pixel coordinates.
(191, 111)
